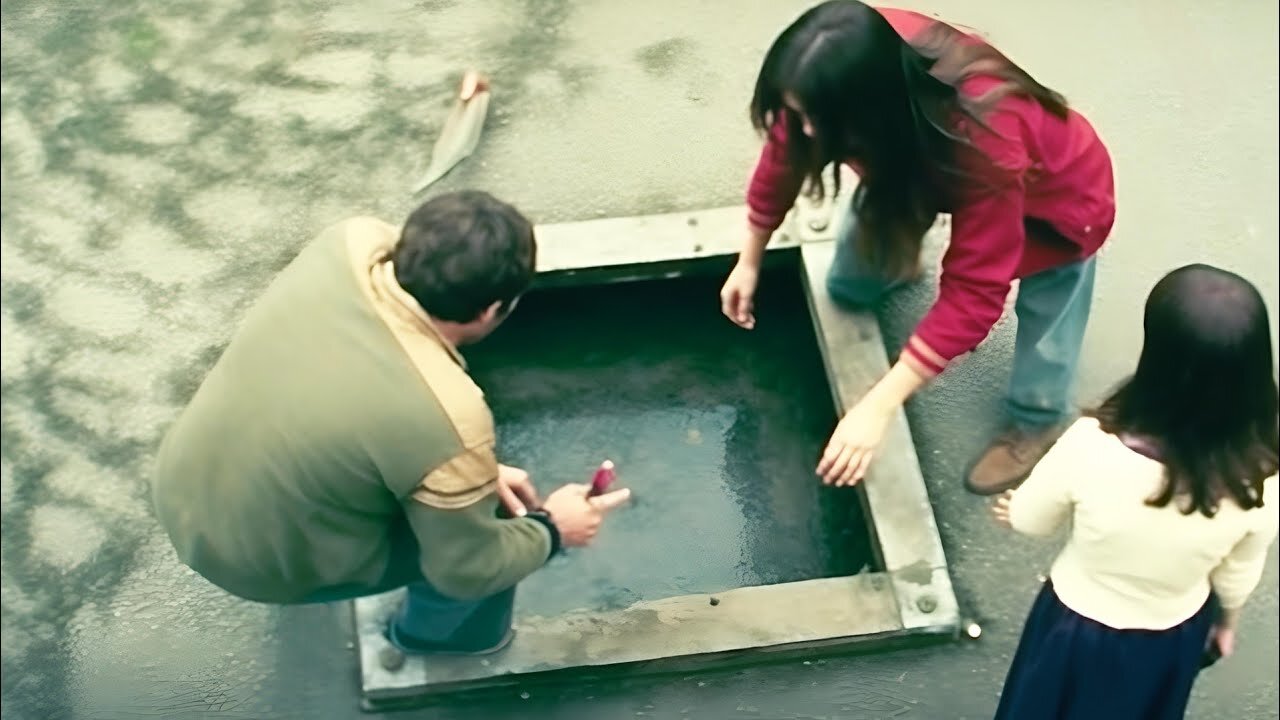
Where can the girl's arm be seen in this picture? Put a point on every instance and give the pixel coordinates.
(772, 193)
(988, 236)
(1238, 574)
(903, 379)
(1044, 501)
(753, 250)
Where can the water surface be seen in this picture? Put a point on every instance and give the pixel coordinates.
(715, 429)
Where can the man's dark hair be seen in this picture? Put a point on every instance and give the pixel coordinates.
(460, 252)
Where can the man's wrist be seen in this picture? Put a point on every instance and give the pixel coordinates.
(543, 518)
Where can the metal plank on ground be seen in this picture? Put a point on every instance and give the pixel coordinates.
(913, 597)
(896, 495)
(795, 615)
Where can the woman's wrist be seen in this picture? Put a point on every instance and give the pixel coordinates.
(892, 391)
(753, 249)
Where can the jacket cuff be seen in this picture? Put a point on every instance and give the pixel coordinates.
(543, 518)
(765, 221)
(922, 358)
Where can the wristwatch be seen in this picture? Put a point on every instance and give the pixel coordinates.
(544, 517)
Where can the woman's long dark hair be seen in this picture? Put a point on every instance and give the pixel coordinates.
(890, 105)
(1204, 393)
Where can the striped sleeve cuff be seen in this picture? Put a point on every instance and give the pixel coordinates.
(765, 221)
(922, 358)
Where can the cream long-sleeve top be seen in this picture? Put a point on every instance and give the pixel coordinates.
(1126, 564)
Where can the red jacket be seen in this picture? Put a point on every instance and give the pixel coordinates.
(1046, 167)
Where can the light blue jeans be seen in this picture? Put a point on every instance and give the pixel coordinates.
(1052, 309)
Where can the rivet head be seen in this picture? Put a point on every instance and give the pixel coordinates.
(390, 658)
(927, 603)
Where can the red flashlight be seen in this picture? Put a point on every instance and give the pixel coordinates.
(603, 478)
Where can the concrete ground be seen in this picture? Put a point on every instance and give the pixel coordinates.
(161, 161)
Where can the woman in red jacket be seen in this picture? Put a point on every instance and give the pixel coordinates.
(934, 120)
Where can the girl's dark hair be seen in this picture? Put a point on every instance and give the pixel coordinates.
(890, 105)
(1204, 394)
(460, 252)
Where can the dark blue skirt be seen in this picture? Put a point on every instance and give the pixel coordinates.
(1069, 667)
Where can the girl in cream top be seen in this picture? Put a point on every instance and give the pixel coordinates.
(1129, 565)
(1169, 491)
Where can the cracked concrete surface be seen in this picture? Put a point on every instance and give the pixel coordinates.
(161, 161)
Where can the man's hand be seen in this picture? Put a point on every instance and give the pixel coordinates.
(516, 491)
(578, 517)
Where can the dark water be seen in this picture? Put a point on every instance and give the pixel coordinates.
(716, 430)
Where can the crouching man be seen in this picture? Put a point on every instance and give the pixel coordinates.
(338, 448)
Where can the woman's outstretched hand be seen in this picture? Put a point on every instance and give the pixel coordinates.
(854, 444)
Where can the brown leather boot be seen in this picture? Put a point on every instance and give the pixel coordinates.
(1009, 459)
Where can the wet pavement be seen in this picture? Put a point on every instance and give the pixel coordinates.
(162, 161)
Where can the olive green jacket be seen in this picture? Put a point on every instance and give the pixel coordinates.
(336, 410)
